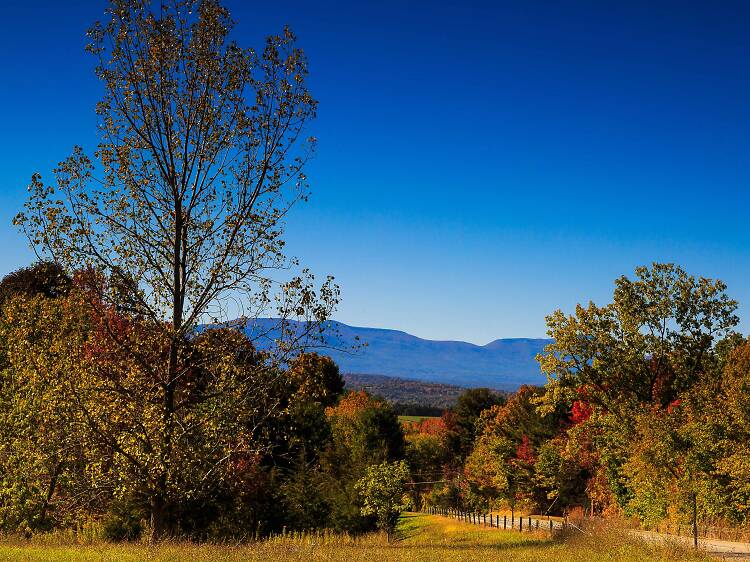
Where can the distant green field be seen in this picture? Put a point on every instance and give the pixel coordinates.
(415, 419)
(421, 538)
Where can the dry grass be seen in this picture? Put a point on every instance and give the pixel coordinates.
(421, 538)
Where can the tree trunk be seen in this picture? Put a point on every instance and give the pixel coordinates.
(159, 523)
(695, 521)
(50, 492)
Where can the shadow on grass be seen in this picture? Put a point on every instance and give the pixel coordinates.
(403, 534)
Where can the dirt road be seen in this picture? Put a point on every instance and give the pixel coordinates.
(722, 549)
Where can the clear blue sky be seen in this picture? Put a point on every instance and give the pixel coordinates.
(480, 163)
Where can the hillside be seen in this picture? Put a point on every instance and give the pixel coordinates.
(404, 392)
(502, 364)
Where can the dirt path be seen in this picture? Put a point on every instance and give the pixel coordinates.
(722, 549)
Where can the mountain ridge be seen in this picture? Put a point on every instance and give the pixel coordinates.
(504, 363)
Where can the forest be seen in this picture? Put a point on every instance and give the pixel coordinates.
(644, 419)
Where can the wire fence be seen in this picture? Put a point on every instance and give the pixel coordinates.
(519, 523)
(526, 523)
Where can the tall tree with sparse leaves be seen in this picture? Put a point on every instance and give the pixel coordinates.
(201, 156)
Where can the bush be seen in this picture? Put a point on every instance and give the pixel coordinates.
(124, 522)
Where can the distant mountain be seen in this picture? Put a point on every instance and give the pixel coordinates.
(503, 364)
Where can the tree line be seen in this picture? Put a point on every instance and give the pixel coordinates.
(644, 414)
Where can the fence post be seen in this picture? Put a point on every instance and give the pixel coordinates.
(484, 519)
(529, 523)
(537, 524)
(520, 524)
(505, 521)
(550, 525)
(490, 520)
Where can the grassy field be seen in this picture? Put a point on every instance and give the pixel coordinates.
(421, 538)
(414, 419)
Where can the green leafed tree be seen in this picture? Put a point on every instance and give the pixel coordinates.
(383, 489)
(729, 417)
(655, 340)
(463, 420)
(649, 366)
(40, 450)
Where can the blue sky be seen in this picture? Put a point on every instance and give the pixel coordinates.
(479, 163)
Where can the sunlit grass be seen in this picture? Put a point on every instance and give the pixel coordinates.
(420, 538)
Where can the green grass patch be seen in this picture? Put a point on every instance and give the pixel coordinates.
(420, 538)
(415, 419)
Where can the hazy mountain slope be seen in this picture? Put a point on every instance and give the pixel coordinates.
(503, 364)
